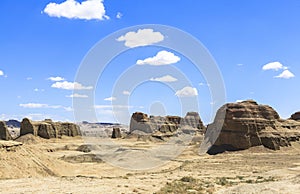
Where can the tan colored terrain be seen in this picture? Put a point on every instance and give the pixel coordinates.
(54, 166)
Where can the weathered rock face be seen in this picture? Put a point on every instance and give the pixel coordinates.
(28, 126)
(296, 116)
(169, 124)
(247, 124)
(193, 119)
(116, 133)
(4, 134)
(49, 129)
(140, 121)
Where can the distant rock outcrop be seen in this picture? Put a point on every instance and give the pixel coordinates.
(116, 133)
(296, 116)
(13, 123)
(247, 124)
(165, 125)
(49, 129)
(4, 134)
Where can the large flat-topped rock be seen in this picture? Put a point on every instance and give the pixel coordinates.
(247, 124)
(141, 122)
(49, 129)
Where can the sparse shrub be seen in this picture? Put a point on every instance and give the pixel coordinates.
(187, 179)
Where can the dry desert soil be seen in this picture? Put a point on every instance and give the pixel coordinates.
(67, 165)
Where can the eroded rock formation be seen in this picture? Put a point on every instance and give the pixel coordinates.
(4, 134)
(247, 124)
(296, 116)
(49, 129)
(116, 133)
(166, 125)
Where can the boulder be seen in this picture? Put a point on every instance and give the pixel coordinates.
(4, 134)
(247, 124)
(116, 133)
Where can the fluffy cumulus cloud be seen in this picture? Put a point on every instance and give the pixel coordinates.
(286, 74)
(161, 58)
(142, 37)
(88, 10)
(56, 79)
(75, 95)
(70, 86)
(1, 73)
(166, 78)
(110, 99)
(125, 92)
(187, 92)
(273, 66)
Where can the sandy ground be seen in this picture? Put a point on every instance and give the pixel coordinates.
(56, 166)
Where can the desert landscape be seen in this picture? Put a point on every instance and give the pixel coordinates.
(149, 97)
(255, 152)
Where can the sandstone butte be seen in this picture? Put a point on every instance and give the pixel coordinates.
(246, 124)
(48, 129)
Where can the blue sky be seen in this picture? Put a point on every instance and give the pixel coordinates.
(255, 44)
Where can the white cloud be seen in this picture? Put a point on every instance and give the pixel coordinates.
(56, 79)
(119, 15)
(187, 92)
(112, 106)
(29, 78)
(142, 37)
(286, 74)
(34, 105)
(70, 86)
(110, 99)
(89, 9)
(1, 73)
(204, 84)
(166, 78)
(38, 90)
(77, 96)
(161, 58)
(273, 66)
(38, 105)
(68, 109)
(125, 92)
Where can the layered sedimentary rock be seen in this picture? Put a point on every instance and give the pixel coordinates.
(169, 124)
(49, 129)
(4, 134)
(246, 124)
